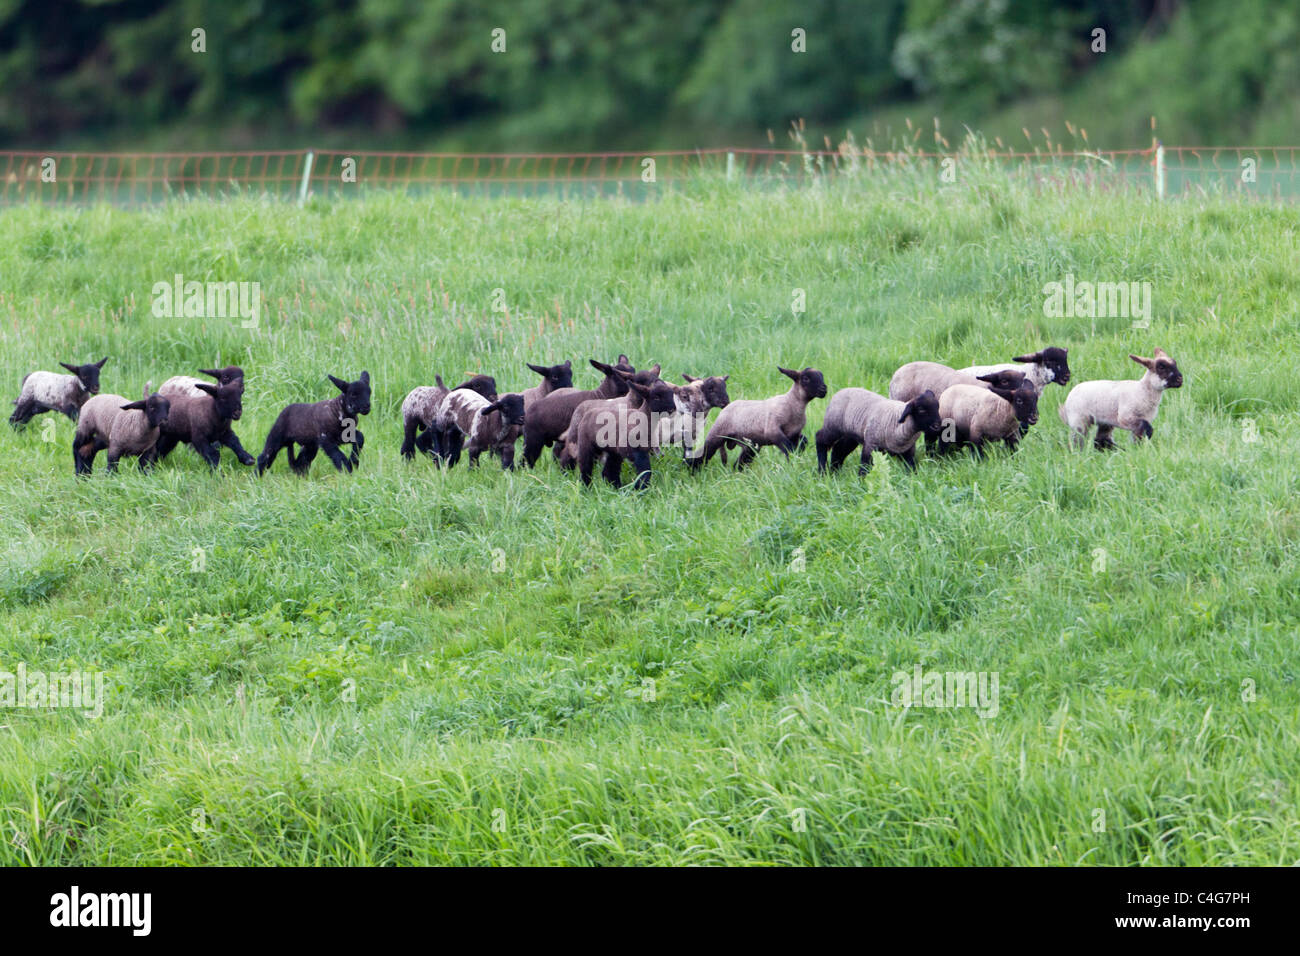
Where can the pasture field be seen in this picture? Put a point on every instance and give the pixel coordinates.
(407, 666)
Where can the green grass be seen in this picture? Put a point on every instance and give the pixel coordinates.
(700, 673)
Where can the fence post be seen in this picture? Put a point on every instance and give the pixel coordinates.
(1160, 170)
(731, 166)
(305, 188)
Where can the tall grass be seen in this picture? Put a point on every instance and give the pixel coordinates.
(700, 673)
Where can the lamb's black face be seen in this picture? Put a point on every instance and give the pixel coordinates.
(811, 381)
(715, 392)
(1168, 370)
(485, 385)
(87, 374)
(228, 398)
(1025, 401)
(1054, 360)
(155, 410)
(356, 395)
(924, 410)
(512, 409)
(659, 400)
(557, 376)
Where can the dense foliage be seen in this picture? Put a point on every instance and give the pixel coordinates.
(586, 73)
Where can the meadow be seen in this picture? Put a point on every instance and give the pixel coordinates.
(413, 666)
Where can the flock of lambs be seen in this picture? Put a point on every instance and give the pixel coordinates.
(630, 415)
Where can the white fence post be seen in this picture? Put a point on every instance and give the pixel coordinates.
(305, 188)
(1160, 170)
(731, 166)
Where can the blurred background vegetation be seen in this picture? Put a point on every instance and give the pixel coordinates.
(609, 74)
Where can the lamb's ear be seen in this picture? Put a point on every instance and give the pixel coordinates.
(133, 406)
(602, 367)
(210, 371)
(100, 363)
(643, 390)
(907, 410)
(71, 368)
(365, 378)
(1144, 362)
(624, 360)
(568, 363)
(212, 390)
(689, 378)
(341, 385)
(656, 369)
(1003, 394)
(727, 376)
(991, 377)
(788, 373)
(494, 407)
(539, 369)
(1161, 353)
(1036, 357)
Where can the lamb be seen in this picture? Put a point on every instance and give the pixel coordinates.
(51, 392)
(973, 415)
(124, 428)
(550, 415)
(701, 394)
(465, 418)
(201, 416)
(554, 377)
(630, 427)
(1130, 405)
(421, 405)
(320, 426)
(1042, 368)
(775, 421)
(857, 416)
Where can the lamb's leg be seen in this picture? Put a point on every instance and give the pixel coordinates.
(787, 445)
(824, 443)
(641, 463)
(357, 445)
(452, 442)
(747, 454)
(408, 438)
(1142, 429)
(841, 451)
(83, 454)
(231, 441)
(532, 449)
(1012, 442)
(24, 410)
(165, 444)
(865, 465)
(586, 461)
(977, 449)
(909, 458)
(207, 451)
(1104, 441)
(612, 470)
(508, 458)
(333, 453)
(303, 462)
(800, 444)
